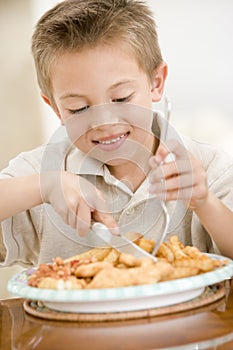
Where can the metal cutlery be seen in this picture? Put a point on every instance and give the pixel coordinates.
(120, 243)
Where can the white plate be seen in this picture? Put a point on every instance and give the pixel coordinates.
(121, 299)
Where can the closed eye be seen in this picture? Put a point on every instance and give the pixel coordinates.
(78, 111)
(116, 100)
(123, 99)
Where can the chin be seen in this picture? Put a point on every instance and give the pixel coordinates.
(116, 162)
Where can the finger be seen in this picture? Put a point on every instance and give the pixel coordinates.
(184, 194)
(107, 220)
(153, 163)
(93, 198)
(72, 218)
(102, 214)
(179, 150)
(171, 169)
(171, 148)
(173, 183)
(71, 205)
(161, 153)
(83, 221)
(163, 172)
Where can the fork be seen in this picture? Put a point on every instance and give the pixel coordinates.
(167, 114)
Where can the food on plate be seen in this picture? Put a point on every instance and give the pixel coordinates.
(108, 268)
(186, 260)
(118, 277)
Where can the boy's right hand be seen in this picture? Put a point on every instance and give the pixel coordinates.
(76, 200)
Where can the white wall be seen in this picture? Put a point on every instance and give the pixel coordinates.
(19, 107)
(196, 38)
(49, 120)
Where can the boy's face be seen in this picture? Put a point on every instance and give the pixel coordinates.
(103, 75)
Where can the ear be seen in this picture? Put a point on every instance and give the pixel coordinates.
(53, 106)
(158, 82)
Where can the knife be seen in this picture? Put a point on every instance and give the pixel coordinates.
(120, 243)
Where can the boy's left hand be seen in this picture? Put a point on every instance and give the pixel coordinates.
(181, 178)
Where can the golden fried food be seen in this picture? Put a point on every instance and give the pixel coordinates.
(192, 252)
(203, 263)
(70, 283)
(146, 244)
(187, 257)
(98, 253)
(164, 251)
(176, 248)
(108, 268)
(112, 257)
(128, 260)
(182, 272)
(130, 277)
(90, 270)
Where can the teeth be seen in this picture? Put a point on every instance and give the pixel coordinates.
(108, 142)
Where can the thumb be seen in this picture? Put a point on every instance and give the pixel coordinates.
(101, 213)
(161, 153)
(108, 220)
(160, 156)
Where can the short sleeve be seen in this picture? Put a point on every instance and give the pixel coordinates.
(20, 237)
(19, 241)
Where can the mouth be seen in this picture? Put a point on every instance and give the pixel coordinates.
(110, 143)
(110, 140)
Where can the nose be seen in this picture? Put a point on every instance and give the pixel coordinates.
(96, 117)
(105, 114)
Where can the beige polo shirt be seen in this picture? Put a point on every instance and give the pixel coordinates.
(39, 234)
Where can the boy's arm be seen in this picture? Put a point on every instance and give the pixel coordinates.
(18, 194)
(75, 199)
(218, 221)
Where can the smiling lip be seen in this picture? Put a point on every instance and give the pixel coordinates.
(112, 142)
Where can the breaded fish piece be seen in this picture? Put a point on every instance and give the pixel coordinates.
(113, 278)
(60, 284)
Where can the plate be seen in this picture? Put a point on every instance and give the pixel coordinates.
(121, 299)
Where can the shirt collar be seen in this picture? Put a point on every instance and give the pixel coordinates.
(78, 163)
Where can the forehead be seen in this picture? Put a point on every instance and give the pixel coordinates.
(116, 51)
(105, 64)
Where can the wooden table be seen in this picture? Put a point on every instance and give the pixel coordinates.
(210, 327)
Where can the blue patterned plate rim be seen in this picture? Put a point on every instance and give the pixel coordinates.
(18, 286)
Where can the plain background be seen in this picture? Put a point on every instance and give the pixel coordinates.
(196, 41)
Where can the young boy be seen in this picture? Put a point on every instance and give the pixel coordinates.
(99, 67)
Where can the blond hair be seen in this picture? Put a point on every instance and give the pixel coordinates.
(73, 25)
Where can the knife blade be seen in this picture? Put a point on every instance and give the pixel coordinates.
(120, 243)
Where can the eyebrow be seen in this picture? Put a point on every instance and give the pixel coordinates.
(112, 87)
(70, 95)
(122, 82)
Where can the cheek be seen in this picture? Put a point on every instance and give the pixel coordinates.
(83, 144)
(145, 97)
(141, 134)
